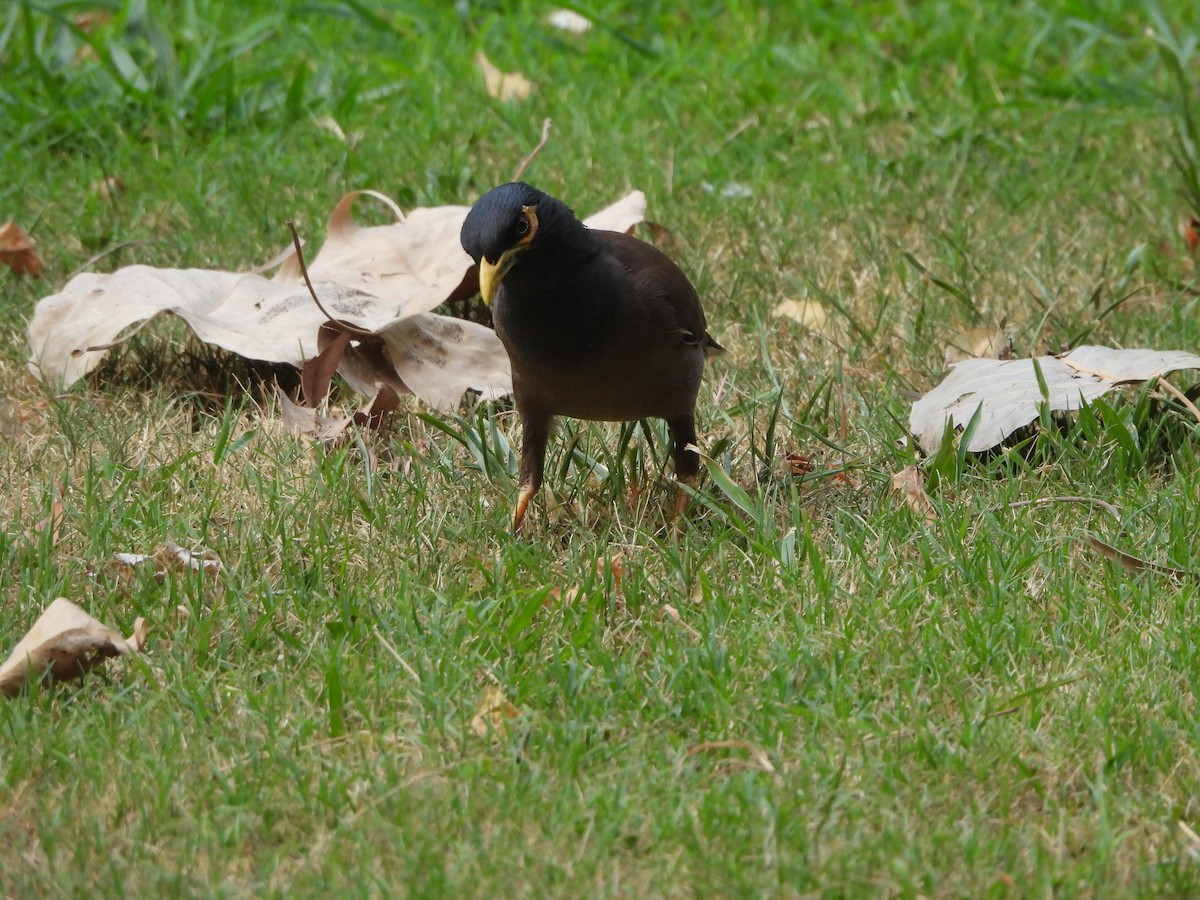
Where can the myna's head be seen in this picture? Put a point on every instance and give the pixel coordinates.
(505, 223)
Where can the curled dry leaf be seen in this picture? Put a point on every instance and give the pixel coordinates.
(382, 279)
(494, 714)
(1007, 394)
(17, 250)
(65, 643)
(169, 558)
(797, 464)
(503, 86)
(910, 482)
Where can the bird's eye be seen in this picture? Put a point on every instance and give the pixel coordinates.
(522, 226)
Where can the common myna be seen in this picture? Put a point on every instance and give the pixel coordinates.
(597, 324)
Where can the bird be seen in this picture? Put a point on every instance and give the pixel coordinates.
(598, 325)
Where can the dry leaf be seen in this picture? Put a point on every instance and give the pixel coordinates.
(1191, 233)
(495, 713)
(1007, 395)
(108, 188)
(910, 482)
(381, 279)
(17, 250)
(798, 464)
(809, 313)
(304, 420)
(758, 758)
(606, 567)
(66, 643)
(90, 22)
(570, 21)
(503, 86)
(673, 614)
(169, 558)
(978, 343)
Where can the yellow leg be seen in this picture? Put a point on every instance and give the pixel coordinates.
(523, 498)
(682, 499)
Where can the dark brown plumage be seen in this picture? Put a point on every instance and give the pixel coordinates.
(597, 324)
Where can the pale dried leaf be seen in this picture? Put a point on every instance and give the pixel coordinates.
(1010, 396)
(809, 313)
(65, 642)
(503, 86)
(381, 279)
(494, 713)
(570, 21)
(673, 614)
(978, 343)
(169, 558)
(17, 250)
(306, 422)
(108, 188)
(910, 482)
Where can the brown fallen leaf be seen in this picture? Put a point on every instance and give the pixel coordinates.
(797, 464)
(93, 21)
(503, 86)
(64, 643)
(910, 482)
(494, 714)
(1191, 233)
(17, 250)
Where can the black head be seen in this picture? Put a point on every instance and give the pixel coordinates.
(496, 222)
(514, 219)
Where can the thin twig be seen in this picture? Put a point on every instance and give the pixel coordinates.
(1046, 501)
(354, 329)
(534, 152)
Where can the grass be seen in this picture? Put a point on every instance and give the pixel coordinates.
(976, 705)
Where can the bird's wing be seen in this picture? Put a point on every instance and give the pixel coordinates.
(658, 280)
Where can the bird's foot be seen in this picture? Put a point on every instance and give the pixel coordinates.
(523, 498)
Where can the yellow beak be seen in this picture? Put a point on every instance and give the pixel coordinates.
(492, 273)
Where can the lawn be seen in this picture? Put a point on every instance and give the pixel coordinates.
(812, 688)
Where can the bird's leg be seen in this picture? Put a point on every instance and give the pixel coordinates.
(687, 463)
(535, 432)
